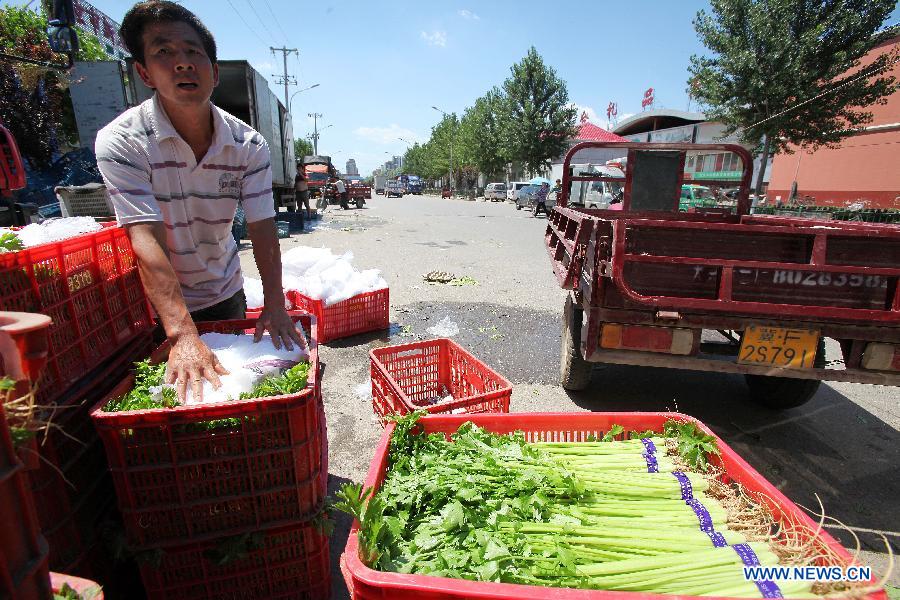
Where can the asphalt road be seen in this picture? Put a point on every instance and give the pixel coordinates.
(843, 446)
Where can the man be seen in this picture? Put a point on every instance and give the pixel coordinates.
(302, 189)
(176, 167)
(341, 190)
(540, 199)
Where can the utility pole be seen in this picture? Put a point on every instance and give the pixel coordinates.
(315, 117)
(286, 79)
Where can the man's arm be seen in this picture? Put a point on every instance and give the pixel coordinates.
(190, 360)
(274, 317)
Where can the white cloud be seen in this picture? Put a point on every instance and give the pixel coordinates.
(624, 116)
(262, 67)
(435, 38)
(468, 14)
(386, 135)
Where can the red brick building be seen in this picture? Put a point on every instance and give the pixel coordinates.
(865, 168)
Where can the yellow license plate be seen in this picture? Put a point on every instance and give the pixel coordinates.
(779, 347)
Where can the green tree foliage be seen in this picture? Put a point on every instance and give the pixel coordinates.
(302, 147)
(482, 134)
(540, 118)
(528, 120)
(34, 100)
(778, 69)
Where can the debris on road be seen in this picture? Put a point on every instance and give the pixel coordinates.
(444, 328)
(438, 277)
(464, 280)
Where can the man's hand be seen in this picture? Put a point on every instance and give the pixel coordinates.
(190, 360)
(278, 323)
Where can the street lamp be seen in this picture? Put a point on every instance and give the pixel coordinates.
(404, 141)
(291, 101)
(449, 173)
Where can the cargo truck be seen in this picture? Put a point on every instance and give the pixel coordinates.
(244, 93)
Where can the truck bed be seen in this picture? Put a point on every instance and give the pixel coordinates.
(764, 266)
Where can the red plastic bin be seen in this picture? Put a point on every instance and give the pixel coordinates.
(90, 287)
(289, 562)
(368, 584)
(176, 483)
(365, 312)
(405, 377)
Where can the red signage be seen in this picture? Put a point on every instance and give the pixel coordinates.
(612, 110)
(648, 98)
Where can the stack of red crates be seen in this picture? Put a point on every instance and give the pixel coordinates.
(101, 322)
(369, 311)
(225, 496)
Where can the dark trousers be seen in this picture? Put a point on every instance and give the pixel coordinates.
(226, 310)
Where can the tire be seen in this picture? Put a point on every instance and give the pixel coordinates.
(360, 202)
(782, 393)
(574, 371)
(518, 206)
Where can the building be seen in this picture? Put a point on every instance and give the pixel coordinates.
(864, 170)
(677, 126)
(588, 132)
(351, 167)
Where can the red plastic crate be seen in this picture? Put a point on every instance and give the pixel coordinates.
(368, 584)
(291, 562)
(406, 376)
(90, 287)
(365, 312)
(176, 484)
(71, 485)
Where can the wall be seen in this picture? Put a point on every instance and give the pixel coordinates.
(98, 97)
(864, 169)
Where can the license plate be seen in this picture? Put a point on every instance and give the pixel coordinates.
(779, 347)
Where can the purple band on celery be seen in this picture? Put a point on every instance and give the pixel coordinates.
(649, 445)
(652, 465)
(687, 491)
(768, 589)
(717, 538)
(706, 524)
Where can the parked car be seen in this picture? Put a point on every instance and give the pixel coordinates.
(695, 196)
(393, 188)
(495, 192)
(597, 194)
(514, 187)
(525, 195)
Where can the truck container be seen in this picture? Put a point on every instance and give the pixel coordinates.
(319, 171)
(244, 93)
(379, 183)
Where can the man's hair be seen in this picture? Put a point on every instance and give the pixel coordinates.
(150, 12)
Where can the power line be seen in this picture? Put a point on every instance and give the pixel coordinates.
(826, 92)
(261, 22)
(244, 21)
(277, 22)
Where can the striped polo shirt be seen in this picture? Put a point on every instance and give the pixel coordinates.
(152, 176)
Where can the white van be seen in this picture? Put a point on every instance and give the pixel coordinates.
(596, 194)
(512, 190)
(495, 192)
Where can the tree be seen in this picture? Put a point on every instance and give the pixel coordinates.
(540, 120)
(481, 134)
(302, 147)
(785, 72)
(34, 103)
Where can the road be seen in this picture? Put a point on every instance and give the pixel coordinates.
(843, 446)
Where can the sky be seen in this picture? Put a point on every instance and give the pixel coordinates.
(382, 64)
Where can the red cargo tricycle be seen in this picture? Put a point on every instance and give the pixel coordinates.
(719, 289)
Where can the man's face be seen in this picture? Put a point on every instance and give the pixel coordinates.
(177, 65)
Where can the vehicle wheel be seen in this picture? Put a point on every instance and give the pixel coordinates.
(518, 206)
(574, 371)
(781, 393)
(360, 202)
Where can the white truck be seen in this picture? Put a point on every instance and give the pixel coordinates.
(379, 183)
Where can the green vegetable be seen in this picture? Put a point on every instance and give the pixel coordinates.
(148, 376)
(490, 507)
(694, 446)
(67, 592)
(10, 242)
